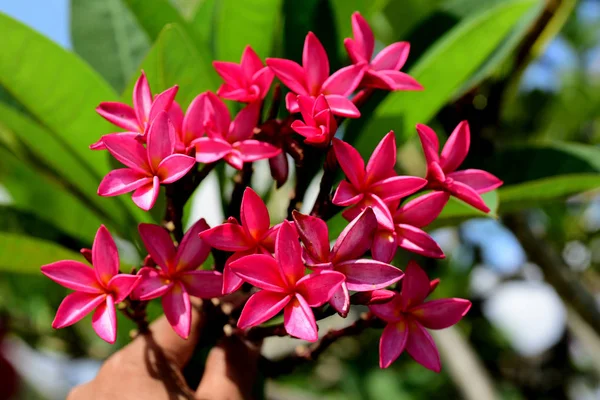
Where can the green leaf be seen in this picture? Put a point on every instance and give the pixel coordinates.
(174, 60)
(202, 22)
(24, 254)
(242, 23)
(107, 36)
(442, 71)
(457, 211)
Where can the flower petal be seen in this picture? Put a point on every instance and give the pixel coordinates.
(195, 118)
(203, 284)
(123, 180)
(220, 118)
(314, 235)
(174, 167)
(245, 121)
(260, 270)
(192, 250)
(350, 161)
(430, 143)
(279, 168)
(104, 320)
(159, 244)
(263, 80)
(363, 37)
(228, 237)
(210, 150)
(456, 148)
(122, 285)
(120, 114)
(415, 286)
(421, 347)
(230, 72)
(397, 187)
(390, 311)
(232, 282)
(383, 159)
(73, 275)
(145, 197)
(354, 241)
(318, 287)
(128, 151)
(395, 80)
(392, 343)
(289, 73)
(479, 180)
(468, 195)
(160, 140)
(340, 300)
(289, 253)
(344, 81)
(152, 284)
(392, 57)
(162, 102)
(177, 308)
(254, 214)
(384, 246)
(417, 241)
(299, 320)
(261, 307)
(381, 210)
(99, 145)
(422, 210)
(142, 98)
(342, 106)
(74, 307)
(250, 62)
(315, 63)
(440, 314)
(105, 256)
(253, 150)
(346, 195)
(366, 275)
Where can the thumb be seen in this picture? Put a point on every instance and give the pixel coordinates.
(231, 369)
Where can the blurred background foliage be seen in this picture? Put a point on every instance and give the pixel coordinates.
(525, 73)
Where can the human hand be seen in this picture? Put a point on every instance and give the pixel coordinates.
(150, 367)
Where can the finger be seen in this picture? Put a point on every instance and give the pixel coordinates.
(230, 372)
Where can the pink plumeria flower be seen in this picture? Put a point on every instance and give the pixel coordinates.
(231, 140)
(319, 123)
(177, 277)
(245, 82)
(383, 71)
(136, 120)
(254, 236)
(313, 79)
(147, 167)
(466, 185)
(407, 233)
(374, 185)
(96, 289)
(284, 287)
(407, 316)
(361, 275)
(194, 122)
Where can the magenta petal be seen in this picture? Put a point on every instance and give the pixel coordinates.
(423, 210)
(415, 286)
(417, 241)
(119, 114)
(392, 57)
(253, 150)
(479, 180)
(318, 287)
(392, 343)
(261, 307)
(228, 237)
(128, 151)
(260, 270)
(355, 239)
(456, 148)
(74, 307)
(468, 195)
(263, 80)
(176, 117)
(122, 285)
(344, 81)
(340, 300)
(399, 80)
(250, 61)
(350, 161)
(230, 72)
(289, 253)
(342, 106)
(363, 37)
(123, 180)
(315, 63)
(381, 210)
(290, 73)
(195, 118)
(231, 282)
(384, 246)
(440, 314)
(383, 159)
(203, 284)
(430, 143)
(192, 250)
(162, 102)
(99, 145)
(254, 214)
(245, 121)
(299, 320)
(105, 256)
(421, 347)
(397, 187)
(366, 275)
(73, 275)
(390, 311)
(161, 139)
(279, 168)
(210, 150)
(159, 244)
(142, 98)
(174, 167)
(346, 195)
(104, 320)
(177, 308)
(314, 235)
(145, 197)
(152, 284)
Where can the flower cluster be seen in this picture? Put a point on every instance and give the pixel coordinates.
(289, 267)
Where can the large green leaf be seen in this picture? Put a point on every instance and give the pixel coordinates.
(24, 254)
(202, 22)
(457, 211)
(442, 70)
(107, 36)
(242, 23)
(174, 60)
